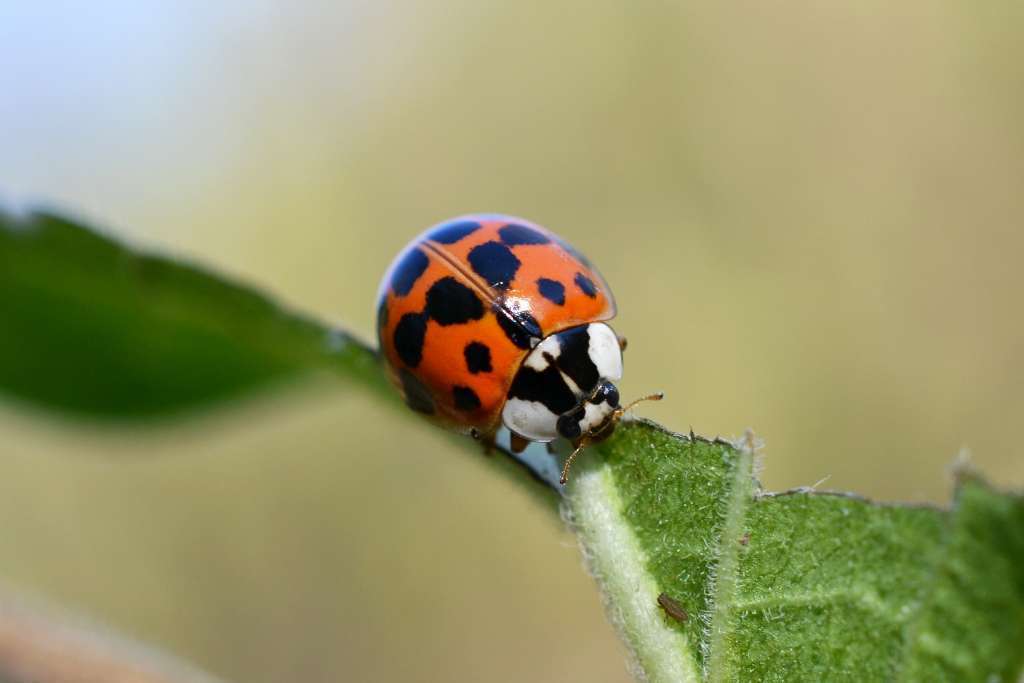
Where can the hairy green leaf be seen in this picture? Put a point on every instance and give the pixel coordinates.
(797, 586)
(707, 577)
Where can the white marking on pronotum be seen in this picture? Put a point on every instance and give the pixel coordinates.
(605, 352)
(569, 382)
(532, 419)
(538, 358)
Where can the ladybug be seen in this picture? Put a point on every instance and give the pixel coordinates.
(491, 320)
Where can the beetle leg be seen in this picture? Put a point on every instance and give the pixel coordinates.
(518, 442)
(486, 440)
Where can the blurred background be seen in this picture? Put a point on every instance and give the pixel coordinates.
(811, 217)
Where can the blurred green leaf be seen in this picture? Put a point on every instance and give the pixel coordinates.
(88, 325)
(799, 586)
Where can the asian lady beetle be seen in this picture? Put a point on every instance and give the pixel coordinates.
(491, 320)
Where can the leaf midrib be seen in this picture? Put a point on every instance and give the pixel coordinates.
(724, 574)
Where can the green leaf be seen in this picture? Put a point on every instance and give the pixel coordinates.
(92, 327)
(798, 586)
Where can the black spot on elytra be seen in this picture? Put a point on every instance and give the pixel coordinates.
(574, 359)
(513, 234)
(409, 335)
(521, 328)
(466, 399)
(528, 323)
(450, 302)
(495, 263)
(546, 387)
(417, 396)
(586, 285)
(450, 233)
(552, 290)
(478, 357)
(408, 271)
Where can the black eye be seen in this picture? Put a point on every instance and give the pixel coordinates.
(606, 392)
(568, 427)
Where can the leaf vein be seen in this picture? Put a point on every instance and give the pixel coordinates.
(862, 596)
(723, 581)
